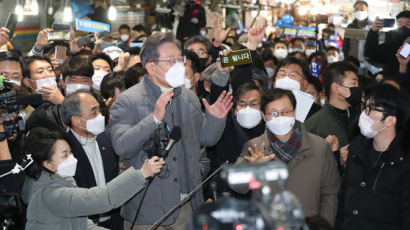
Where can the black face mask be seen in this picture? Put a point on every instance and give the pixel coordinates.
(355, 96)
(203, 61)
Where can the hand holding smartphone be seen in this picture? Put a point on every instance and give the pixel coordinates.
(405, 50)
(11, 24)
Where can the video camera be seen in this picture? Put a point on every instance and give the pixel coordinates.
(11, 102)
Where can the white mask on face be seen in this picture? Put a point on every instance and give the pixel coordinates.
(281, 125)
(365, 125)
(50, 81)
(360, 15)
(175, 76)
(68, 167)
(97, 78)
(270, 72)
(14, 82)
(71, 88)
(322, 101)
(96, 125)
(292, 50)
(188, 84)
(125, 37)
(248, 117)
(309, 52)
(332, 59)
(281, 53)
(202, 32)
(287, 83)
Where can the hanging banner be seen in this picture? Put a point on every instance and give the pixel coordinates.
(91, 26)
(297, 31)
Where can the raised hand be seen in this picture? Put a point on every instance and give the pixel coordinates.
(219, 33)
(257, 154)
(42, 39)
(159, 112)
(4, 36)
(255, 36)
(333, 141)
(377, 25)
(221, 107)
(152, 166)
(223, 70)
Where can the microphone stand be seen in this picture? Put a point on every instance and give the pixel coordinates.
(188, 197)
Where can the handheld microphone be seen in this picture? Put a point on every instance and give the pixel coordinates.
(174, 137)
(213, 187)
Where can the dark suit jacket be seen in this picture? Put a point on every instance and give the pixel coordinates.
(84, 175)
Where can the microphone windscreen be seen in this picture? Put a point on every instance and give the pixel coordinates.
(175, 133)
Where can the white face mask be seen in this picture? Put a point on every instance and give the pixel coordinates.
(71, 88)
(292, 50)
(202, 32)
(97, 78)
(96, 125)
(332, 59)
(248, 117)
(281, 125)
(281, 53)
(14, 82)
(188, 84)
(125, 37)
(270, 72)
(287, 83)
(365, 125)
(309, 52)
(361, 15)
(68, 167)
(50, 81)
(322, 101)
(175, 76)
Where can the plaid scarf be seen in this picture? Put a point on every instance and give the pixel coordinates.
(285, 151)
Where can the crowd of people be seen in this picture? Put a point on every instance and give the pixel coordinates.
(99, 131)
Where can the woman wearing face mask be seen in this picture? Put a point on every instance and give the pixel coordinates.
(55, 202)
(375, 189)
(313, 174)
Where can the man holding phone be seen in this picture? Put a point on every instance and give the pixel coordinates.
(403, 57)
(385, 53)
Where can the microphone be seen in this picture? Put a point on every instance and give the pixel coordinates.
(174, 137)
(213, 187)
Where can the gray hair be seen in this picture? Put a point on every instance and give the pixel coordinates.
(71, 106)
(149, 50)
(198, 39)
(208, 73)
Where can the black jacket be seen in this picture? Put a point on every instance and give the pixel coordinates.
(384, 53)
(186, 28)
(375, 190)
(84, 175)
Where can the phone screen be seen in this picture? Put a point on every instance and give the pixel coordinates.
(405, 51)
(235, 58)
(58, 36)
(60, 54)
(11, 24)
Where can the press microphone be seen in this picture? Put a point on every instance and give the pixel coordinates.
(174, 137)
(213, 187)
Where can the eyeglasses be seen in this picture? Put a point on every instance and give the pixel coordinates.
(293, 75)
(370, 107)
(252, 104)
(172, 60)
(286, 113)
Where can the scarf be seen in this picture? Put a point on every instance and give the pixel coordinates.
(285, 151)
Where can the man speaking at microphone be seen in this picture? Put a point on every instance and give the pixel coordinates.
(152, 106)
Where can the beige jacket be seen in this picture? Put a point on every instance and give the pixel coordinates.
(313, 174)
